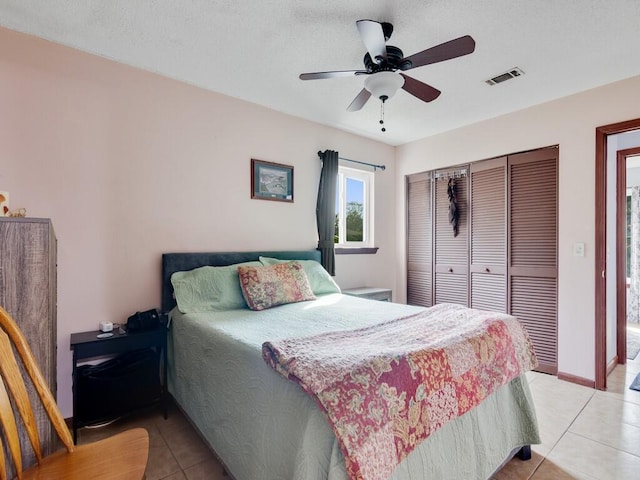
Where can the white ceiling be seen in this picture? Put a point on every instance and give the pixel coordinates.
(255, 50)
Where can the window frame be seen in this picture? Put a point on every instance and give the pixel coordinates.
(367, 178)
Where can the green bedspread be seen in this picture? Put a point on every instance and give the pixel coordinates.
(263, 426)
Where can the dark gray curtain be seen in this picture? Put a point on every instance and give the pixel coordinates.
(326, 208)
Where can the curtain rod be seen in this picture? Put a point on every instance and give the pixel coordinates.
(381, 167)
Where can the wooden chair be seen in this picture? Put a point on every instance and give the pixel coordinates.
(122, 456)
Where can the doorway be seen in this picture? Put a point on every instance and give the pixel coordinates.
(602, 135)
(628, 254)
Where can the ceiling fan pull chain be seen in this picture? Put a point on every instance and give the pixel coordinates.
(382, 113)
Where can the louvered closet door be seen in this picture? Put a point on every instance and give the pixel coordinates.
(451, 253)
(419, 240)
(488, 267)
(533, 268)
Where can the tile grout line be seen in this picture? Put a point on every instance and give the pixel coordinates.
(537, 467)
(604, 444)
(593, 394)
(592, 439)
(622, 422)
(180, 469)
(545, 457)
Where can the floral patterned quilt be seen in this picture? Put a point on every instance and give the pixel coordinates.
(387, 387)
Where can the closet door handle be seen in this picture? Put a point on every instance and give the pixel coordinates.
(487, 270)
(450, 270)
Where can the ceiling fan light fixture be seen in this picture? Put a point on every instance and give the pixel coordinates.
(384, 84)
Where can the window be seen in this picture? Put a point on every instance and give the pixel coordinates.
(354, 208)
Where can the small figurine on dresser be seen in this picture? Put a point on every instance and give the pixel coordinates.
(4, 207)
(18, 212)
(4, 204)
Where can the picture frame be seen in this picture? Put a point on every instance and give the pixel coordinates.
(271, 181)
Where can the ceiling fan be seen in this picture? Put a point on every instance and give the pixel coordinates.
(384, 63)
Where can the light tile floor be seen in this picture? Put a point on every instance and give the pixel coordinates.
(586, 434)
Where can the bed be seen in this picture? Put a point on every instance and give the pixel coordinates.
(263, 426)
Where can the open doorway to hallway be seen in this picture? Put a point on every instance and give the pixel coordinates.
(610, 331)
(629, 160)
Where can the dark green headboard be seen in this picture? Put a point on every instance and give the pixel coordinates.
(179, 262)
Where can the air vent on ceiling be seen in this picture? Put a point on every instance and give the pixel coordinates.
(503, 77)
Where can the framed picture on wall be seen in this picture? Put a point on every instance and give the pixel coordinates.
(271, 181)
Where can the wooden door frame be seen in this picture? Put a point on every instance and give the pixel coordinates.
(621, 249)
(601, 245)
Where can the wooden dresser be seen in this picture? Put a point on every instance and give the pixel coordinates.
(28, 293)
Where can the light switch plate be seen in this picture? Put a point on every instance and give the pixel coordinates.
(578, 249)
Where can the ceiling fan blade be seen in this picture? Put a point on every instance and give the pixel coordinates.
(359, 101)
(373, 38)
(335, 74)
(420, 90)
(445, 51)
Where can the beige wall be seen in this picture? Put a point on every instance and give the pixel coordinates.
(128, 165)
(569, 122)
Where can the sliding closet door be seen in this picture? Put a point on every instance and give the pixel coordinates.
(488, 267)
(533, 264)
(419, 240)
(451, 252)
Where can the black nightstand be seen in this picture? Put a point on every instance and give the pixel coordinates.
(118, 387)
